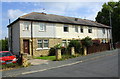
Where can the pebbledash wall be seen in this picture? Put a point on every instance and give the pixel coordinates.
(54, 34)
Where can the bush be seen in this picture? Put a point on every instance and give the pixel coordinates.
(87, 41)
(76, 44)
(51, 52)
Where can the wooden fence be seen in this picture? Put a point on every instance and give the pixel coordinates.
(98, 48)
(117, 45)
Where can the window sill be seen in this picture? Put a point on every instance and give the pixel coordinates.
(41, 31)
(42, 48)
(25, 30)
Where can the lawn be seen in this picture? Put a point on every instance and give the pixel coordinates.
(53, 58)
(46, 58)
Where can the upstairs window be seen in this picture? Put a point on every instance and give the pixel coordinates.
(26, 26)
(65, 29)
(81, 29)
(103, 30)
(76, 28)
(42, 26)
(89, 29)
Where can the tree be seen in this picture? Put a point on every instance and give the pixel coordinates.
(103, 17)
(76, 44)
(3, 44)
(86, 42)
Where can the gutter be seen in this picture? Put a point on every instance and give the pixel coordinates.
(57, 22)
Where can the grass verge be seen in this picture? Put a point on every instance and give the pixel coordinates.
(10, 66)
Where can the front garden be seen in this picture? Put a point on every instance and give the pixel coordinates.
(74, 49)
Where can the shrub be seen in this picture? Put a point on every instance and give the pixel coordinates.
(87, 41)
(58, 46)
(51, 52)
(76, 44)
(96, 42)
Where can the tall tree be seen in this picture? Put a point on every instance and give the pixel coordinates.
(111, 9)
(4, 44)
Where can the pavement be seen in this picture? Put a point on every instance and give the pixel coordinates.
(48, 65)
(38, 61)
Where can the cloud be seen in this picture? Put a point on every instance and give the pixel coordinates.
(13, 14)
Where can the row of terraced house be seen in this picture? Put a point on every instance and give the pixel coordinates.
(35, 33)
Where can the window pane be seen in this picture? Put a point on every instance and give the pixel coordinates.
(45, 43)
(65, 28)
(81, 29)
(89, 30)
(26, 26)
(103, 30)
(64, 43)
(39, 43)
(76, 28)
(42, 27)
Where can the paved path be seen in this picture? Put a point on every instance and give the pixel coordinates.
(38, 61)
(78, 62)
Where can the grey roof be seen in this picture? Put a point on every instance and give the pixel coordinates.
(60, 19)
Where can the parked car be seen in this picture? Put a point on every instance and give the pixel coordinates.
(6, 57)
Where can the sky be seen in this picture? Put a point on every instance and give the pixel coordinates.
(13, 10)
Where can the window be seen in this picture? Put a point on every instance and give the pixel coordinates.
(45, 43)
(39, 43)
(42, 26)
(89, 29)
(81, 29)
(65, 28)
(65, 43)
(103, 30)
(76, 28)
(26, 26)
(42, 43)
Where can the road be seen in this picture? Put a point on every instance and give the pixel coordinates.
(106, 66)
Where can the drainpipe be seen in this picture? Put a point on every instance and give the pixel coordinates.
(11, 40)
(32, 38)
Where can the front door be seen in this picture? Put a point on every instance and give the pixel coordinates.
(26, 46)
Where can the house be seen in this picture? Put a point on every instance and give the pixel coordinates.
(35, 33)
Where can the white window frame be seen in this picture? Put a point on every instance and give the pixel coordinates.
(65, 27)
(43, 42)
(76, 29)
(103, 30)
(26, 25)
(43, 25)
(39, 42)
(89, 29)
(81, 29)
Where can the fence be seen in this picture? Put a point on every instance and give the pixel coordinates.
(98, 48)
(117, 45)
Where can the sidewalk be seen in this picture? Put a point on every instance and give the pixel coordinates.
(56, 64)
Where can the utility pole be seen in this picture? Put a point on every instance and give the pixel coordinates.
(111, 40)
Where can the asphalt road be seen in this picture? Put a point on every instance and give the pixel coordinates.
(101, 67)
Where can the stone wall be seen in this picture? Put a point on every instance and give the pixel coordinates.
(39, 52)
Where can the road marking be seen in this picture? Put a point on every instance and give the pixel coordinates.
(66, 64)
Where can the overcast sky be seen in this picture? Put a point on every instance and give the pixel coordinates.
(12, 10)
